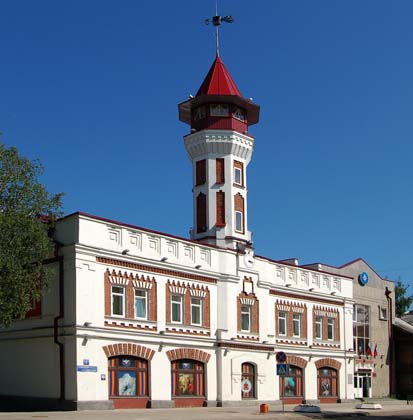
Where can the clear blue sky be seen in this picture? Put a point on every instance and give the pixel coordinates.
(91, 89)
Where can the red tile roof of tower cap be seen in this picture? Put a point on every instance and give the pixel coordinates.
(218, 81)
(218, 87)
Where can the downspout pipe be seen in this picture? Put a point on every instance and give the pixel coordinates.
(387, 293)
(56, 320)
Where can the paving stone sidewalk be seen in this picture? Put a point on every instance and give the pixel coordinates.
(391, 409)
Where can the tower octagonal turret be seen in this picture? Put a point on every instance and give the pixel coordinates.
(220, 149)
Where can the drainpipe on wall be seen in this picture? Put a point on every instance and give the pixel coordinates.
(345, 351)
(387, 293)
(56, 327)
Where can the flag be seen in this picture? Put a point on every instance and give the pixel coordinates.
(368, 350)
(375, 353)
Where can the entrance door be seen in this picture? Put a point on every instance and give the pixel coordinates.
(358, 387)
(362, 385)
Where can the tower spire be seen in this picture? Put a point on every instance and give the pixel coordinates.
(217, 22)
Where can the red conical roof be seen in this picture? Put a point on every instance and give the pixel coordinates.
(218, 81)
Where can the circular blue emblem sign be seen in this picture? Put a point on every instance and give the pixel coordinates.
(363, 278)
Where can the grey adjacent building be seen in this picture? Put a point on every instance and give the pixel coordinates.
(373, 315)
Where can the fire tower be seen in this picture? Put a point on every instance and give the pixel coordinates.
(220, 148)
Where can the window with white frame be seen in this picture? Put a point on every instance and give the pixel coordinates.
(383, 313)
(176, 308)
(196, 311)
(237, 175)
(141, 304)
(282, 323)
(245, 318)
(330, 328)
(238, 221)
(318, 327)
(296, 325)
(118, 301)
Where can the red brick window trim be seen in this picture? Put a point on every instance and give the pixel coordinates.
(200, 172)
(247, 308)
(326, 324)
(120, 292)
(193, 302)
(290, 320)
(220, 171)
(328, 362)
(220, 203)
(184, 353)
(120, 349)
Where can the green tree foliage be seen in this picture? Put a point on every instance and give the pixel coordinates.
(403, 302)
(25, 205)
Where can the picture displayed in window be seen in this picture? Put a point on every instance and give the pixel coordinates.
(248, 380)
(128, 376)
(127, 383)
(326, 387)
(291, 385)
(187, 378)
(186, 383)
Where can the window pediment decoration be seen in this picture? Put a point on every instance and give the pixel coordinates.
(289, 306)
(195, 290)
(118, 278)
(123, 279)
(247, 301)
(142, 284)
(325, 311)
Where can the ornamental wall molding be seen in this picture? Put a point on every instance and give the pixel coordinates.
(286, 306)
(195, 290)
(123, 279)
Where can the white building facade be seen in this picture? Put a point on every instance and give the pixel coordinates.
(137, 318)
(150, 329)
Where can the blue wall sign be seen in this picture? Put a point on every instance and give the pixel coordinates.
(87, 368)
(282, 369)
(363, 278)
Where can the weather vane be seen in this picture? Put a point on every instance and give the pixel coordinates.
(217, 22)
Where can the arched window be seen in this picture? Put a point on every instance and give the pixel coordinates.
(188, 378)
(248, 380)
(128, 377)
(291, 385)
(327, 382)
